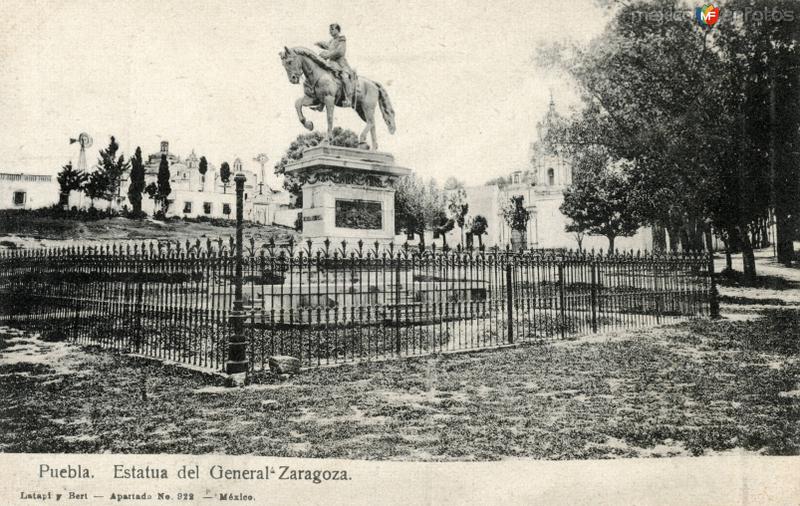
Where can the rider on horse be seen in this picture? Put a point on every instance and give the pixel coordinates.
(334, 52)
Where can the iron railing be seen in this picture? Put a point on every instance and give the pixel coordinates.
(344, 303)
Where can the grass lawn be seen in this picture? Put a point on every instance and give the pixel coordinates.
(695, 388)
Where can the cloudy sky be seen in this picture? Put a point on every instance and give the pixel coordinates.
(206, 76)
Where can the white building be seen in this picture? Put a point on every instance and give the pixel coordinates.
(542, 188)
(27, 191)
(194, 194)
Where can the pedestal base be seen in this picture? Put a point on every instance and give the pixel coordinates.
(348, 195)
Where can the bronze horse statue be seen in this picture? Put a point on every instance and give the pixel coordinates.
(324, 90)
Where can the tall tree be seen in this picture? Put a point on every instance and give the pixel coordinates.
(69, 179)
(136, 186)
(203, 168)
(164, 188)
(113, 168)
(663, 98)
(763, 53)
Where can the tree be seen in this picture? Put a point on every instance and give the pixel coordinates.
(478, 228)
(164, 188)
(225, 172)
(516, 216)
(341, 137)
(96, 186)
(106, 185)
(682, 111)
(452, 183)
(408, 206)
(69, 180)
(599, 202)
(160, 190)
(578, 235)
(434, 209)
(498, 181)
(763, 55)
(136, 186)
(203, 168)
(442, 225)
(458, 207)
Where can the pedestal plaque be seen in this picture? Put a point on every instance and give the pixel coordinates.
(348, 194)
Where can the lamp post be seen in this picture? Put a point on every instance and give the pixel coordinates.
(237, 347)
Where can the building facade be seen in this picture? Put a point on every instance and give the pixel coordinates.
(195, 195)
(27, 191)
(542, 187)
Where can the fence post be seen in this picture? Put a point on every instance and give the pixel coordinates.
(561, 297)
(237, 347)
(714, 300)
(139, 307)
(593, 292)
(397, 304)
(509, 301)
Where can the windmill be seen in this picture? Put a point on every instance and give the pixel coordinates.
(85, 141)
(262, 160)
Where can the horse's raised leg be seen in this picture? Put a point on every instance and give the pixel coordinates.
(330, 105)
(298, 105)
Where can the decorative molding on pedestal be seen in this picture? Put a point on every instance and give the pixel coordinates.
(344, 189)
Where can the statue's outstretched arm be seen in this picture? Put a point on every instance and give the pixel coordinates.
(322, 44)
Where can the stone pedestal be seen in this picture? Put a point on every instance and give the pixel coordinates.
(348, 194)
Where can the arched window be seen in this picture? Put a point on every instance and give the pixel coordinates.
(551, 177)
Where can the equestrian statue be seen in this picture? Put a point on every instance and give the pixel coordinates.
(329, 81)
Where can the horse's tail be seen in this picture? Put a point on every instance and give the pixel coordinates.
(386, 108)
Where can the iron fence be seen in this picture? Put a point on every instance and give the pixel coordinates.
(345, 303)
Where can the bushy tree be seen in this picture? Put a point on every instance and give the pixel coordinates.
(96, 186)
(69, 179)
(225, 172)
(478, 227)
(498, 181)
(515, 214)
(105, 181)
(599, 201)
(458, 207)
(452, 183)
(408, 206)
(688, 108)
(341, 137)
(137, 185)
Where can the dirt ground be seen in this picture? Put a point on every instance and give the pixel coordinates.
(49, 232)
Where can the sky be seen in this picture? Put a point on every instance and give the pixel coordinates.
(207, 76)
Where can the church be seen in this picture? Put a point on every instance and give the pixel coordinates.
(542, 186)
